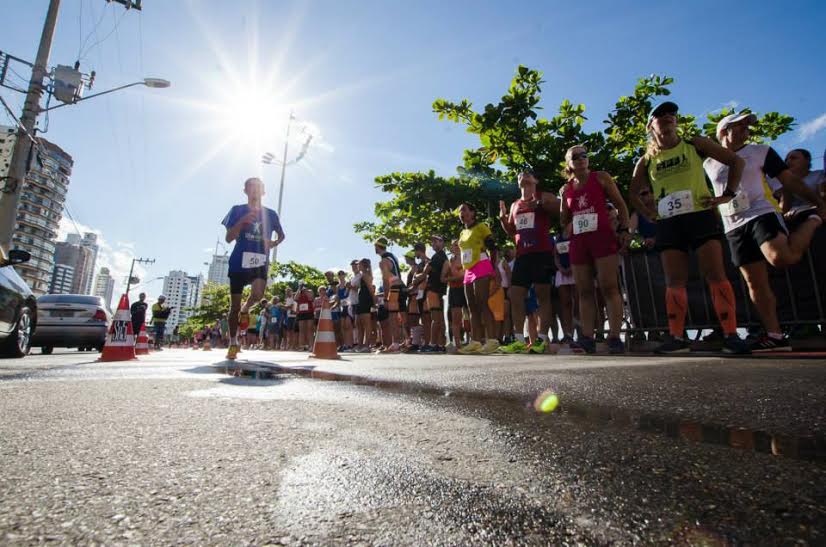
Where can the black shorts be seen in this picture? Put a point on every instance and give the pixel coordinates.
(239, 280)
(746, 240)
(532, 268)
(305, 316)
(382, 314)
(456, 298)
(689, 231)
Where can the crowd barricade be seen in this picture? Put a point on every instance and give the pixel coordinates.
(800, 292)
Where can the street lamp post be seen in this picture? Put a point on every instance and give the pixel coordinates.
(132, 268)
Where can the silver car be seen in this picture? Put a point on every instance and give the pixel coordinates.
(71, 321)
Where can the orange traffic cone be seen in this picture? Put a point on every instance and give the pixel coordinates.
(325, 338)
(142, 346)
(120, 342)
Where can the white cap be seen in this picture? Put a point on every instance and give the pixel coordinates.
(734, 118)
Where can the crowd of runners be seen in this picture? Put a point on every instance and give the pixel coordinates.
(543, 291)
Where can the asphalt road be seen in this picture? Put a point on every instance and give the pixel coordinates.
(411, 450)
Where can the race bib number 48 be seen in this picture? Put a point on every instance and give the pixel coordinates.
(253, 260)
(584, 223)
(525, 221)
(738, 204)
(676, 203)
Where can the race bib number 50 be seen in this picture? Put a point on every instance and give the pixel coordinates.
(676, 203)
(253, 260)
(584, 223)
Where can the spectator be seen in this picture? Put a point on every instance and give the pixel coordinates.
(138, 311)
(160, 313)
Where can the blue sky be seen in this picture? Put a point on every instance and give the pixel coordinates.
(156, 170)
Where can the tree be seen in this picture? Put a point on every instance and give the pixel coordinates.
(512, 137)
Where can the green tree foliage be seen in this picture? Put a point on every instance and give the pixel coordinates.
(512, 137)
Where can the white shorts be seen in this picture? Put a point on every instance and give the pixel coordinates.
(562, 279)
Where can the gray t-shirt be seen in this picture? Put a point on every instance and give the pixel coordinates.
(813, 180)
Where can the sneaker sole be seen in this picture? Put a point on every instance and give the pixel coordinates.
(681, 350)
(772, 350)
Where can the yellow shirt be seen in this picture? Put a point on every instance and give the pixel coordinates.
(472, 244)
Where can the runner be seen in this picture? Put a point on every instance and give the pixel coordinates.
(594, 244)
(276, 321)
(756, 233)
(529, 222)
(305, 316)
(392, 289)
(353, 286)
(799, 161)
(566, 287)
(250, 225)
(505, 266)
(290, 325)
(414, 327)
(419, 291)
(345, 317)
(437, 271)
(686, 221)
(364, 305)
(475, 242)
(456, 300)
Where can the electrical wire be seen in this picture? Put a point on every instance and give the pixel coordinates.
(69, 214)
(113, 31)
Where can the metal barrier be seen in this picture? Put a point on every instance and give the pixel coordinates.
(800, 291)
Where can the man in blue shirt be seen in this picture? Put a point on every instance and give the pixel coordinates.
(251, 226)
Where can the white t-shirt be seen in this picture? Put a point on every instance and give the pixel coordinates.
(355, 283)
(754, 197)
(813, 180)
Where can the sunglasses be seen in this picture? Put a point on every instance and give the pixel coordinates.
(580, 156)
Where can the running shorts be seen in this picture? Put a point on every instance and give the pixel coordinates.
(383, 314)
(456, 298)
(588, 247)
(689, 231)
(745, 241)
(239, 280)
(532, 268)
(482, 269)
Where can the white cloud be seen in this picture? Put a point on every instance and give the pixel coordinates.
(117, 257)
(811, 128)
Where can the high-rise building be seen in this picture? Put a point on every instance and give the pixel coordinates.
(219, 270)
(90, 241)
(182, 291)
(40, 208)
(105, 286)
(62, 278)
(73, 252)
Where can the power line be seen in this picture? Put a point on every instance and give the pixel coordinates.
(113, 31)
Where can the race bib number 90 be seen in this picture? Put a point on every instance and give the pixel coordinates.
(525, 221)
(253, 260)
(738, 204)
(676, 203)
(584, 223)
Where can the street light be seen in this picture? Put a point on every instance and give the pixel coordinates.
(154, 83)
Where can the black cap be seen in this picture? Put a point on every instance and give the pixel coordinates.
(665, 107)
(419, 247)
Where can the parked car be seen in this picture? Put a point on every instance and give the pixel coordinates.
(18, 307)
(71, 321)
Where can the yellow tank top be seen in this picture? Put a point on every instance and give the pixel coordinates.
(676, 171)
(472, 244)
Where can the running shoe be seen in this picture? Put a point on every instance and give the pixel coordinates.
(586, 344)
(538, 347)
(615, 345)
(413, 348)
(490, 346)
(392, 348)
(674, 345)
(767, 344)
(471, 348)
(514, 347)
(232, 352)
(451, 349)
(733, 345)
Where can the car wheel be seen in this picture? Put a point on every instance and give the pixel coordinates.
(19, 341)
(46, 350)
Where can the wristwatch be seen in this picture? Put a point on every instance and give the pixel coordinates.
(729, 193)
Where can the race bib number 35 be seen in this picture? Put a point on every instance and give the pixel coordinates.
(253, 260)
(676, 203)
(525, 221)
(738, 204)
(584, 223)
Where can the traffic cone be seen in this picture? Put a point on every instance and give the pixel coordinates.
(142, 346)
(120, 341)
(325, 338)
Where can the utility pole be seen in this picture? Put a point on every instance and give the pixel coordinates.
(132, 268)
(24, 145)
(283, 174)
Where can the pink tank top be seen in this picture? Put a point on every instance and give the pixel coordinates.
(587, 207)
